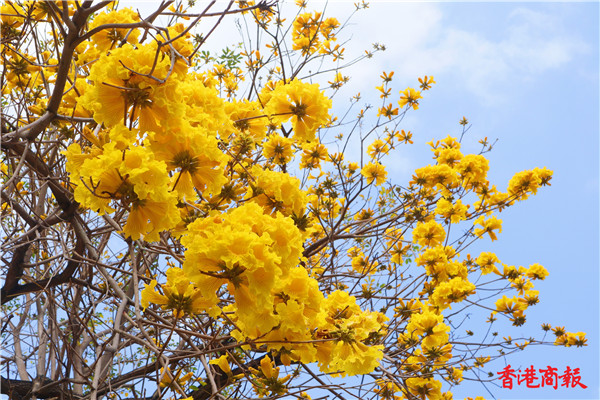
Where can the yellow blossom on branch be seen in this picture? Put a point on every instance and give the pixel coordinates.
(410, 97)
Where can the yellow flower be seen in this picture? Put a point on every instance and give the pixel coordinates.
(338, 81)
(427, 323)
(312, 155)
(222, 363)
(13, 15)
(305, 31)
(449, 156)
(510, 306)
(378, 147)
(107, 39)
(453, 291)
(488, 226)
(248, 118)
(411, 97)
(374, 172)
(576, 339)
(131, 177)
(526, 182)
(183, 46)
(536, 271)
(277, 191)
(487, 261)
(179, 294)
(362, 265)
(352, 168)
(387, 77)
(167, 380)
(203, 106)
(387, 390)
(453, 211)
(122, 92)
(455, 375)
(304, 103)
(21, 70)
(194, 157)
(521, 285)
(387, 111)
(278, 148)
(424, 388)
(247, 250)
(426, 82)
(481, 361)
(405, 137)
(531, 297)
(350, 327)
(473, 170)
(429, 234)
(267, 380)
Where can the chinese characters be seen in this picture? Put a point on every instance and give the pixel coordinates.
(547, 377)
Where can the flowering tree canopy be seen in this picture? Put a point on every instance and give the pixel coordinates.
(184, 224)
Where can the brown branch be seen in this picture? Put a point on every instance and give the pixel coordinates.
(61, 194)
(42, 284)
(20, 390)
(32, 222)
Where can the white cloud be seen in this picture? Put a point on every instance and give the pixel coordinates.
(422, 40)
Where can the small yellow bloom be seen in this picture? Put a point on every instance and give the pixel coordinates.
(179, 294)
(426, 82)
(488, 226)
(387, 111)
(278, 148)
(167, 380)
(411, 97)
(374, 172)
(536, 271)
(222, 363)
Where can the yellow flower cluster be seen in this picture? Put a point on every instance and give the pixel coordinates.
(107, 39)
(520, 280)
(277, 191)
(127, 85)
(388, 390)
(147, 171)
(487, 262)
(488, 226)
(248, 120)
(348, 327)
(255, 255)
(452, 291)
(528, 182)
(569, 339)
(429, 234)
(374, 172)
(267, 381)
(131, 178)
(312, 155)
(249, 251)
(312, 33)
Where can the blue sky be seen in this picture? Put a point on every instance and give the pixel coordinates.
(527, 74)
